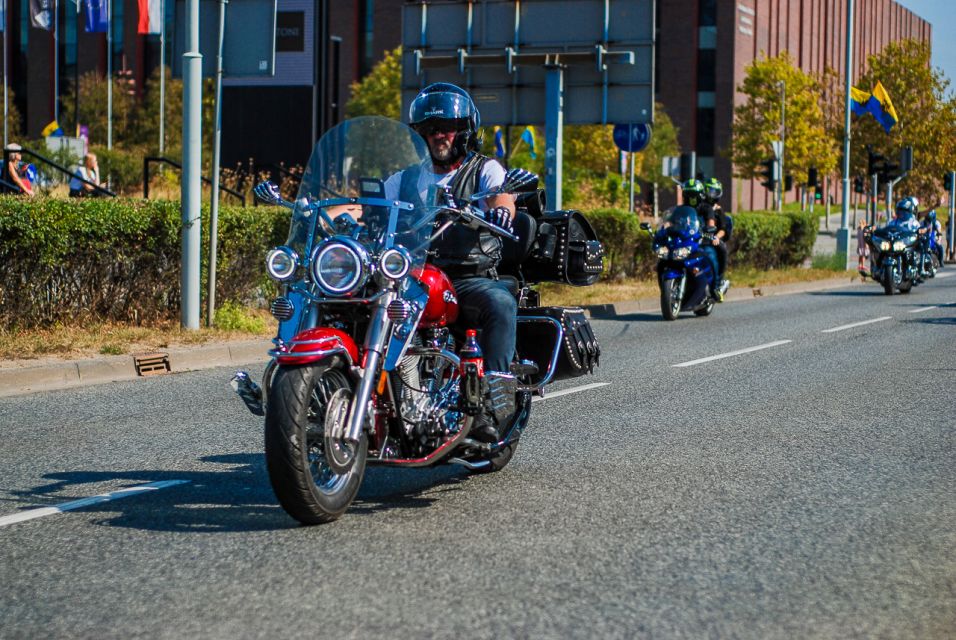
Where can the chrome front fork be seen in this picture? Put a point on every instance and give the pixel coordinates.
(375, 341)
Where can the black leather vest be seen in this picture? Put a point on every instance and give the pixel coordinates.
(459, 251)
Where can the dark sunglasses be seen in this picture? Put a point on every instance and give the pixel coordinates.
(432, 128)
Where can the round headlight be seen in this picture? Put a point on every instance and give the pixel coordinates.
(682, 252)
(340, 266)
(884, 246)
(899, 245)
(281, 263)
(394, 263)
(662, 252)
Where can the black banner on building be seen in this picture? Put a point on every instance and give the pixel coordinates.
(290, 31)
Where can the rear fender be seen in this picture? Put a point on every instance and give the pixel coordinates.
(316, 344)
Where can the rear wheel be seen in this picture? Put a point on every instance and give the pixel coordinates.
(705, 310)
(295, 444)
(670, 300)
(500, 458)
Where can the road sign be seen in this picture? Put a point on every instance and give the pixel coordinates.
(249, 43)
(777, 148)
(632, 137)
(670, 166)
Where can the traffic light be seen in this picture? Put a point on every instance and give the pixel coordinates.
(858, 186)
(812, 177)
(788, 182)
(891, 171)
(770, 173)
(818, 195)
(948, 180)
(906, 159)
(686, 167)
(874, 161)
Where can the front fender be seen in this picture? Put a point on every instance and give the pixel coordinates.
(315, 344)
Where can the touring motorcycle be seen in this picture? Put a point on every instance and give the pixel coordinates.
(894, 258)
(684, 272)
(366, 367)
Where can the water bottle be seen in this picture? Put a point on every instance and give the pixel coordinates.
(471, 352)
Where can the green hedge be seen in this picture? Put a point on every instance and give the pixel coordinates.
(75, 260)
(768, 240)
(761, 239)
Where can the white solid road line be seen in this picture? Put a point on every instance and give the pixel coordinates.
(733, 353)
(85, 502)
(565, 392)
(945, 275)
(922, 309)
(856, 324)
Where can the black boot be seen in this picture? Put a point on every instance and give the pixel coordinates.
(483, 429)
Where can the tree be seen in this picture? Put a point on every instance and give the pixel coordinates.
(663, 143)
(927, 118)
(380, 92)
(757, 120)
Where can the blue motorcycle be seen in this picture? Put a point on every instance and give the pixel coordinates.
(685, 272)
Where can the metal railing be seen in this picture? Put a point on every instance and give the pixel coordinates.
(148, 160)
(36, 156)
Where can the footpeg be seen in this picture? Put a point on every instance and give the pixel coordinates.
(524, 368)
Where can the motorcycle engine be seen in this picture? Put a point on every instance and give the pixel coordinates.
(428, 401)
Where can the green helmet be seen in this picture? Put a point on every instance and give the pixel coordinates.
(713, 190)
(693, 191)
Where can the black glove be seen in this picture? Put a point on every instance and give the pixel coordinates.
(500, 216)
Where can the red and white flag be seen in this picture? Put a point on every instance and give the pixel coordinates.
(150, 16)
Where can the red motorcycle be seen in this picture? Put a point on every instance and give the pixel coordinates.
(366, 367)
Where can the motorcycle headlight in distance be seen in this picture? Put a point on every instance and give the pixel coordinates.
(899, 245)
(339, 266)
(394, 263)
(885, 245)
(681, 252)
(662, 252)
(281, 263)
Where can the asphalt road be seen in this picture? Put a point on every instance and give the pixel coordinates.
(805, 488)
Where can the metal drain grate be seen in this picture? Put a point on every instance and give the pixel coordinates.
(151, 364)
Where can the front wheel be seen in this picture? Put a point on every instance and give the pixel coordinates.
(303, 481)
(670, 299)
(889, 286)
(705, 310)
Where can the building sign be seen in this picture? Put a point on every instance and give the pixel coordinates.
(290, 31)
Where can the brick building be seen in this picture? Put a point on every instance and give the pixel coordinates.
(703, 49)
(717, 39)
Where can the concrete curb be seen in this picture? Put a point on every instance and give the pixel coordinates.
(21, 377)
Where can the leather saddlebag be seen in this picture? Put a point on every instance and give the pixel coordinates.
(566, 250)
(579, 352)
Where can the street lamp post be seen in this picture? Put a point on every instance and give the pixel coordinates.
(783, 141)
(843, 235)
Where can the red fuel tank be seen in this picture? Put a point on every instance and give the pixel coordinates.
(442, 306)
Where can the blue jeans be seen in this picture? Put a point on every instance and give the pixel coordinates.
(487, 305)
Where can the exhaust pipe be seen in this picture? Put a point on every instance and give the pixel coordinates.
(249, 391)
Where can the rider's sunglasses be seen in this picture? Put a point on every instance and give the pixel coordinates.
(431, 128)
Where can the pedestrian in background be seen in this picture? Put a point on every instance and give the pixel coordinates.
(19, 173)
(862, 248)
(89, 171)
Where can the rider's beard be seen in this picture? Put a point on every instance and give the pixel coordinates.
(443, 154)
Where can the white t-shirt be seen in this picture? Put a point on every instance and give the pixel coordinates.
(492, 175)
(85, 174)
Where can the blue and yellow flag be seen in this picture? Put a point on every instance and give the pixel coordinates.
(499, 146)
(858, 100)
(881, 107)
(528, 136)
(878, 103)
(52, 129)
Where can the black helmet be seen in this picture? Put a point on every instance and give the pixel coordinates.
(693, 192)
(444, 101)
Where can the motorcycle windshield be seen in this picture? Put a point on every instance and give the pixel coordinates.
(685, 223)
(343, 190)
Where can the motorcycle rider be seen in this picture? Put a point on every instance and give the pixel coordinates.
(446, 117)
(711, 218)
(930, 223)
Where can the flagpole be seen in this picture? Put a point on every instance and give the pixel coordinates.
(56, 62)
(6, 36)
(162, 77)
(76, 76)
(109, 74)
